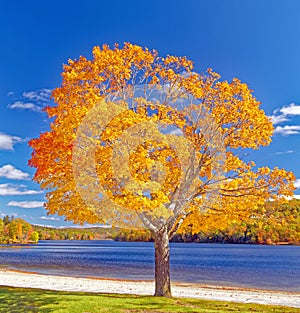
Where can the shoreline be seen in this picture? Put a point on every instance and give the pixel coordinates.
(174, 283)
(205, 284)
(23, 279)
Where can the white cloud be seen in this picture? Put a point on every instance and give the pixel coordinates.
(50, 218)
(286, 111)
(284, 152)
(7, 142)
(41, 95)
(9, 214)
(24, 106)
(15, 190)
(287, 130)
(291, 109)
(277, 119)
(288, 197)
(14, 214)
(85, 226)
(297, 183)
(32, 100)
(10, 172)
(26, 204)
(293, 197)
(44, 225)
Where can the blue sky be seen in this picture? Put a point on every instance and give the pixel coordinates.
(257, 41)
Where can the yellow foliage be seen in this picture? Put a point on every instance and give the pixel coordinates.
(165, 179)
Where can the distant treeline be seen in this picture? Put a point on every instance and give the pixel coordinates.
(16, 230)
(272, 224)
(72, 233)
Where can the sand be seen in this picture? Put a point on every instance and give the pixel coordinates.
(65, 283)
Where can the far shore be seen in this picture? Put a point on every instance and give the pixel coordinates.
(16, 278)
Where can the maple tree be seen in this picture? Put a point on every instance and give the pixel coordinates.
(143, 141)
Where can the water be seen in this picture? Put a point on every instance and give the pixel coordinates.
(252, 266)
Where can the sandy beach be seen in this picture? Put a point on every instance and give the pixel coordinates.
(32, 280)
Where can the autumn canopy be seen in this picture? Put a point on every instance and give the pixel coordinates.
(139, 140)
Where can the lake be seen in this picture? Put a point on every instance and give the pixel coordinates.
(252, 266)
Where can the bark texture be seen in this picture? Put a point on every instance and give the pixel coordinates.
(162, 264)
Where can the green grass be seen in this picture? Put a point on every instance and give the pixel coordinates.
(17, 300)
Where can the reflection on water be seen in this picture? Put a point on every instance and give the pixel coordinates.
(268, 267)
(15, 246)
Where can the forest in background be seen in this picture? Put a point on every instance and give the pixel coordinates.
(16, 230)
(272, 224)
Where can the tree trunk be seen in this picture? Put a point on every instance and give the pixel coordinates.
(162, 264)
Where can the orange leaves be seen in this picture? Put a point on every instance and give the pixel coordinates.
(244, 124)
(234, 163)
(178, 62)
(193, 104)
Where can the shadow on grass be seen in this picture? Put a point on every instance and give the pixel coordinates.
(19, 300)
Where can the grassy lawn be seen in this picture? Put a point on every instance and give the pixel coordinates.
(35, 300)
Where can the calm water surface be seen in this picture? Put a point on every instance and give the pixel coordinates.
(266, 267)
